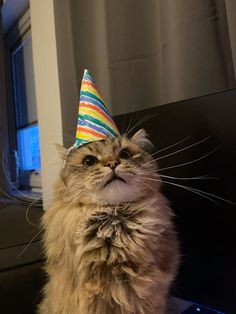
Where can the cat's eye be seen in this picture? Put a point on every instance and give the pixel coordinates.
(125, 154)
(90, 160)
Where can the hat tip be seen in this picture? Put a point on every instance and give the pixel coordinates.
(86, 71)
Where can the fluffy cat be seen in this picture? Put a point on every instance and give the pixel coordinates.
(109, 240)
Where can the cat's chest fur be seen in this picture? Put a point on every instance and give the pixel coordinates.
(109, 223)
(118, 234)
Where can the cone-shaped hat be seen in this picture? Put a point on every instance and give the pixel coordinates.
(94, 120)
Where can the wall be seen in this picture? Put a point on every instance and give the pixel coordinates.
(3, 121)
(47, 90)
(55, 82)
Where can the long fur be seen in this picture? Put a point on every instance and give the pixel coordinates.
(110, 246)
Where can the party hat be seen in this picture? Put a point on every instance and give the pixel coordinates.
(94, 120)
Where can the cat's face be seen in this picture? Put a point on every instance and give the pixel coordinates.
(110, 171)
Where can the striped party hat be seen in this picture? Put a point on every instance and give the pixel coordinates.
(94, 120)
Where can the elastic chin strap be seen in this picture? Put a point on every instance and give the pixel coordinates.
(67, 154)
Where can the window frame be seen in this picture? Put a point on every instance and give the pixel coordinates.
(16, 36)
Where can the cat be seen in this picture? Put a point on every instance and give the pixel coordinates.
(109, 239)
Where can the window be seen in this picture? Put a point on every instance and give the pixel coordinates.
(28, 148)
(24, 129)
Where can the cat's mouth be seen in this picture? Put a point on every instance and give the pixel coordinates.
(114, 178)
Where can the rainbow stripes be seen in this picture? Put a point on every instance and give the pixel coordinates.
(94, 121)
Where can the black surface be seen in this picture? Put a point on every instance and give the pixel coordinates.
(20, 289)
(21, 258)
(207, 231)
(14, 227)
(198, 309)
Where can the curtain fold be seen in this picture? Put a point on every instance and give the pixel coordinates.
(147, 53)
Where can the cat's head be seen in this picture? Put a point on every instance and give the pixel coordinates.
(110, 171)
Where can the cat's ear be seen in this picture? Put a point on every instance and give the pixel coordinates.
(62, 151)
(141, 139)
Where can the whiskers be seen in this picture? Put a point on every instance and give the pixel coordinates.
(55, 197)
(28, 244)
(150, 174)
(209, 196)
(177, 152)
(140, 122)
(183, 149)
(203, 177)
(191, 161)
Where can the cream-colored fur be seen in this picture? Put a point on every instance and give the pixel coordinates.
(109, 248)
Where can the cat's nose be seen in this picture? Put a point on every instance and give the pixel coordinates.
(112, 164)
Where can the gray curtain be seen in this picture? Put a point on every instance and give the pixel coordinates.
(147, 53)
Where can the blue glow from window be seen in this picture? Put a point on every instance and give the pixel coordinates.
(28, 148)
(198, 309)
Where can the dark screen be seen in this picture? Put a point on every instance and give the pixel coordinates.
(206, 225)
